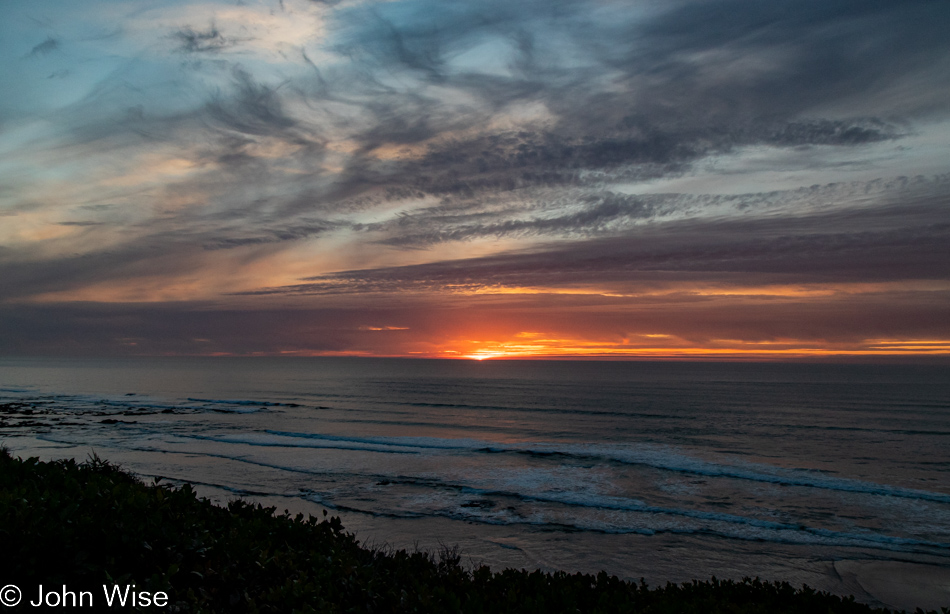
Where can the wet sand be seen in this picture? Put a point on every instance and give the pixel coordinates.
(898, 585)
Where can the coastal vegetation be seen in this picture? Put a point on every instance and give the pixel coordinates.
(90, 527)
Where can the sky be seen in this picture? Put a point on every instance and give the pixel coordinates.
(726, 179)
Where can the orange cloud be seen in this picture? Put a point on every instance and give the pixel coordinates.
(536, 345)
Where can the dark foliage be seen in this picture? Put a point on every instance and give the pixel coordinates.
(89, 524)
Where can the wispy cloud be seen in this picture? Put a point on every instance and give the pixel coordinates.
(294, 151)
(45, 48)
(202, 41)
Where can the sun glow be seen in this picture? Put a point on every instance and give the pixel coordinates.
(486, 354)
(535, 345)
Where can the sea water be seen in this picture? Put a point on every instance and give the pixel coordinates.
(664, 471)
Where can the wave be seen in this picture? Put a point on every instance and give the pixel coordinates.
(244, 402)
(646, 455)
(656, 457)
(621, 504)
(428, 443)
(251, 441)
(99, 405)
(860, 429)
(603, 503)
(579, 411)
(729, 525)
(566, 511)
(751, 472)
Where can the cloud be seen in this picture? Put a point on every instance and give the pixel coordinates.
(892, 241)
(628, 97)
(263, 236)
(599, 213)
(419, 148)
(207, 41)
(434, 327)
(827, 132)
(253, 109)
(45, 48)
(585, 213)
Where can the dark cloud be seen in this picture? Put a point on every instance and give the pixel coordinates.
(253, 109)
(208, 328)
(206, 41)
(827, 132)
(599, 213)
(891, 242)
(512, 161)
(655, 94)
(740, 57)
(164, 328)
(587, 213)
(264, 236)
(45, 48)
(22, 277)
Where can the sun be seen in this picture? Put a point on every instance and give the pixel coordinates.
(484, 355)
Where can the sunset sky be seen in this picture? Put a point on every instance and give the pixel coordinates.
(482, 178)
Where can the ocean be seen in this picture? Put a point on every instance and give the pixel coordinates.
(837, 476)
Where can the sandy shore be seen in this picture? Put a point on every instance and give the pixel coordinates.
(899, 585)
